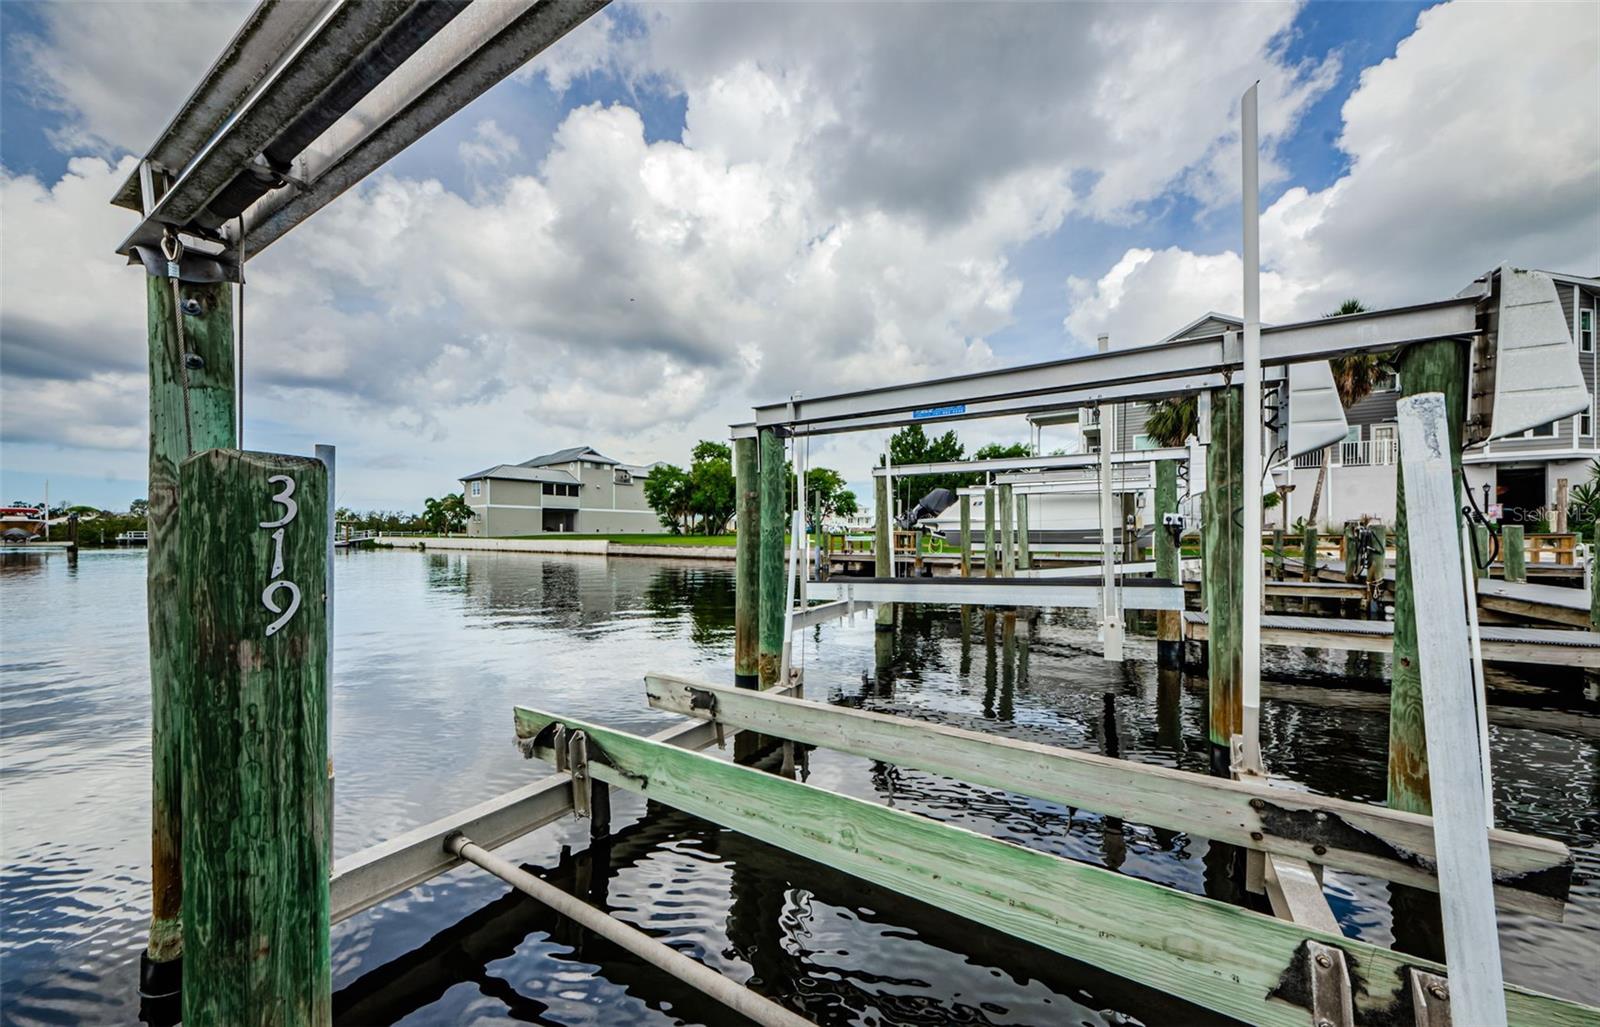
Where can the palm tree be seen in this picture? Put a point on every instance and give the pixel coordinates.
(1172, 420)
(1355, 376)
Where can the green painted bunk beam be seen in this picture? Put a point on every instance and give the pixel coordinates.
(1231, 960)
(1351, 836)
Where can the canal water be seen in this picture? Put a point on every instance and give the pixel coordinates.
(431, 652)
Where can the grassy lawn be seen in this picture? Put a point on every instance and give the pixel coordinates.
(640, 539)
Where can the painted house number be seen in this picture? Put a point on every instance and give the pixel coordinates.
(285, 499)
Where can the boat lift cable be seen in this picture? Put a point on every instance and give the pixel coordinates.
(737, 997)
(238, 391)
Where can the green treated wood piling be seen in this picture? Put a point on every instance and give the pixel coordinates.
(1169, 623)
(1224, 573)
(883, 549)
(988, 533)
(1024, 553)
(772, 476)
(1426, 367)
(747, 566)
(1514, 552)
(1008, 552)
(209, 424)
(253, 577)
(1308, 554)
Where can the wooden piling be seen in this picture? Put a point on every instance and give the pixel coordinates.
(253, 625)
(1482, 550)
(966, 536)
(883, 549)
(1169, 623)
(747, 566)
(1377, 568)
(1352, 550)
(1514, 552)
(1308, 554)
(1439, 366)
(1224, 573)
(988, 533)
(1008, 552)
(1277, 554)
(1594, 576)
(773, 588)
(1024, 554)
(177, 428)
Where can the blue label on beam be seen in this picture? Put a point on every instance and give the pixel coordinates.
(959, 408)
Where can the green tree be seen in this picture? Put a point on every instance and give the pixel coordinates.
(1172, 420)
(667, 490)
(711, 491)
(1355, 376)
(447, 514)
(826, 485)
(911, 445)
(139, 508)
(1001, 451)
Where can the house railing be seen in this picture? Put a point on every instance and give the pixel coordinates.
(1362, 453)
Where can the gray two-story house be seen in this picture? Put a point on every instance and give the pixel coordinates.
(1522, 474)
(577, 490)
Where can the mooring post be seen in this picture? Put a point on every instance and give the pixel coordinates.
(774, 588)
(1594, 576)
(1169, 623)
(1277, 554)
(201, 365)
(1514, 552)
(1024, 554)
(988, 533)
(1224, 573)
(1008, 552)
(1377, 568)
(1352, 550)
(1439, 366)
(882, 549)
(747, 565)
(1308, 554)
(1480, 559)
(253, 623)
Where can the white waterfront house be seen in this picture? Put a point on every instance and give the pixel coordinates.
(1522, 474)
(577, 490)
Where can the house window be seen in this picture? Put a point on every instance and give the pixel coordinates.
(1143, 442)
(556, 488)
(1544, 431)
(1388, 381)
(477, 488)
(1586, 419)
(622, 477)
(1586, 330)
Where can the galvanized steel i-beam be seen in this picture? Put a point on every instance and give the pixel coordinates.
(1118, 375)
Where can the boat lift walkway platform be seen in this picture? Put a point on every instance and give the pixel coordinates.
(1508, 644)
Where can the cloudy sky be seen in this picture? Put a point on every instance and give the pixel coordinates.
(683, 210)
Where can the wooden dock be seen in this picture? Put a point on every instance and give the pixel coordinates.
(1569, 606)
(1504, 643)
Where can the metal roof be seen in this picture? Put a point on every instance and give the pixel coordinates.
(567, 456)
(517, 472)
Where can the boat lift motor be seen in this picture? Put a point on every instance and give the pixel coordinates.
(928, 507)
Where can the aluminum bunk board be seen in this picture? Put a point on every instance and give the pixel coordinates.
(1137, 593)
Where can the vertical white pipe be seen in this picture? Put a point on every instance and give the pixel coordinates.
(888, 490)
(1250, 663)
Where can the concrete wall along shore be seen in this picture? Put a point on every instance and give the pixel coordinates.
(568, 547)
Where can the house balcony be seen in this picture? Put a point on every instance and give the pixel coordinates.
(1362, 453)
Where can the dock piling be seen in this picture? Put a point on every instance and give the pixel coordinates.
(1439, 366)
(773, 586)
(883, 549)
(1224, 573)
(1169, 623)
(253, 576)
(1514, 552)
(179, 425)
(747, 565)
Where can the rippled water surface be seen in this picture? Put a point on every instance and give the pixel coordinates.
(431, 652)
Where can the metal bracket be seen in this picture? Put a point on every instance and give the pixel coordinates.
(701, 699)
(1331, 1004)
(577, 750)
(1430, 998)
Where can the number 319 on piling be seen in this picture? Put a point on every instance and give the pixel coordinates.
(284, 498)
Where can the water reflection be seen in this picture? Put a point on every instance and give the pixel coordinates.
(433, 649)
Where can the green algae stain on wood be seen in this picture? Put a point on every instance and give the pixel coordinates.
(1224, 569)
(208, 335)
(255, 748)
